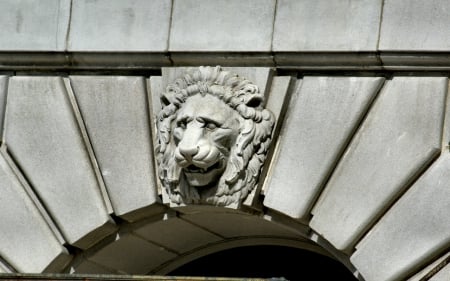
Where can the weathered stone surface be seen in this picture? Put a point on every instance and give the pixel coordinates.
(415, 61)
(223, 25)
(242, 224)
(277, 99)
(3, 90)
(155, 90)
(278, 92)
(418, 26)
(42, 135)
(24, 229)
(115, 25)
(3, 268)
(442, 275)
(176, 234)
(131, 254)
(88, 267)
(35, 26)
(446, 133)
(414, 230)
(115, 111)
(338, 25)
(400, 136)
(429, 269)
(321, 118)
(223, 58)
(328, 60)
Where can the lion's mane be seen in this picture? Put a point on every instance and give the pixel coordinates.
(246, 156)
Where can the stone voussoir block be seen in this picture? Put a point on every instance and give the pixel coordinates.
(119, 130)
(320, 120)
(399, 138)
(177, 234)
(43, 136)
(413, 231)
(131, 254)
(24, 228)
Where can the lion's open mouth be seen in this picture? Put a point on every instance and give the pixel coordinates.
(194, 169)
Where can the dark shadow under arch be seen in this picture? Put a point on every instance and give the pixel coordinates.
(266, 262)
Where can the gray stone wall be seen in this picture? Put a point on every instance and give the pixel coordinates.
(337, 34)
(358, 169)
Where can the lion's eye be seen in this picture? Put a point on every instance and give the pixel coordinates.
(210, 126)
(181, 124)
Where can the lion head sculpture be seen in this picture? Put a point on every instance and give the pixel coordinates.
(213, 137)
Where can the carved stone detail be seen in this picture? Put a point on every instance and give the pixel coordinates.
(213, 137)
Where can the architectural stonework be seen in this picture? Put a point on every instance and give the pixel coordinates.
(213, 137)
(326, 128)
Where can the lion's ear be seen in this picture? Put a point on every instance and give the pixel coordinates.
(250, 95)
(254, 101)
(167, 97)
(164, 100)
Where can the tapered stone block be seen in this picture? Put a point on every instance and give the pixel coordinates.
(177, 234)
(243, 224)
(87, 267)
(414, 230)
(115, 25)
(154, 90)
(25, 233)
(3, 90)
(115, 111)
(29, 25)
(279, 90)
(131, 254)
(320, 120)
(400, 136)
(446, 133)
(43, 136)
(277, 102)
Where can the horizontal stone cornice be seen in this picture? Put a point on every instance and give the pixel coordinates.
(389, 61)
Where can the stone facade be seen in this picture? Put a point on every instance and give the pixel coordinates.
(356, 169)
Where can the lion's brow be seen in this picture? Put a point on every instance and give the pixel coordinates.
(184, 117)
(209, 120)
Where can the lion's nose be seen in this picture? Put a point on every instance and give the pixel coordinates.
(189, 152)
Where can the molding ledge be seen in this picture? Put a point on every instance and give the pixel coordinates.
(307, 61)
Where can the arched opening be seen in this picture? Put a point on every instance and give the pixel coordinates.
(266, 261)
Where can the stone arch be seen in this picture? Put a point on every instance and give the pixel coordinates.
(360, 163)
(167, 241)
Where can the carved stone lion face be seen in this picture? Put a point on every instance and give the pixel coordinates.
(213, 137)
(205, 132)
